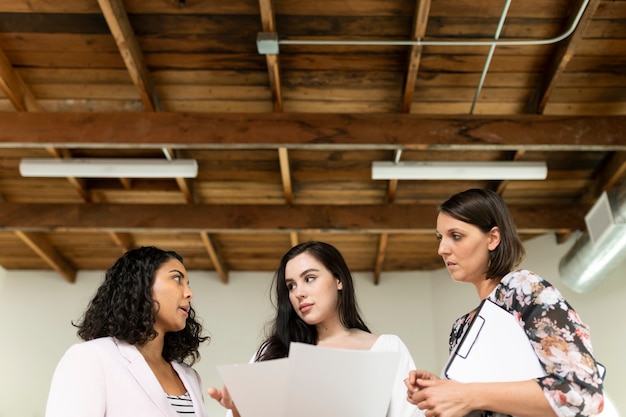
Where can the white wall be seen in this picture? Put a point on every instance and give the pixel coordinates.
(36, 310)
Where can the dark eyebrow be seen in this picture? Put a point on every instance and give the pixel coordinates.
(306, 271)
(309, 270)
(180, 273)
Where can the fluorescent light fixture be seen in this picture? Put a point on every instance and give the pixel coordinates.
(449, 170)
(108, 168)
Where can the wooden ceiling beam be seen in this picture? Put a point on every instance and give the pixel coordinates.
(293, 239)
(151, 130)
(216, 257)
(185, 185)
(14, 87)
(561, 57)
(119, 25)
(380, 257)
(49, 254)
(607, 178)
(268, 23)
(23, 99)
(415, 54)
(285, 174)
(384, 218)
(392, 185)
(80, 187)
(124, 241)
(501, 185)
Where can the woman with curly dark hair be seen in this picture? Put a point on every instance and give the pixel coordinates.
(316, 304)
(140, 338)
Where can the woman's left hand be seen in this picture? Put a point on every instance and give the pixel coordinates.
(441, 397)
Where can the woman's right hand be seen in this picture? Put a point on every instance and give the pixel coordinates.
(223, 397)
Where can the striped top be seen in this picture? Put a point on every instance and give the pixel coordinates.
(182, 404)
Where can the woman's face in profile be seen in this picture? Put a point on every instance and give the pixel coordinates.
(172, 296)
(464, 248)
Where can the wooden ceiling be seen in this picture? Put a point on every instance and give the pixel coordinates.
(285, 141)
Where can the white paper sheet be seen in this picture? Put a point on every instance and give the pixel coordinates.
(314, 382)
(258, 389)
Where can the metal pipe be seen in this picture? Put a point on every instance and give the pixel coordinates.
(418, 42)
(167, 154)
(492, 49)
(588, 262)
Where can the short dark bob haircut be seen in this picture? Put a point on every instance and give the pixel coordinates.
(485, 209)
(287, 326)
(123, 307)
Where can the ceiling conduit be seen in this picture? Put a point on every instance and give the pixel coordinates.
(602, 248)
(268, 42)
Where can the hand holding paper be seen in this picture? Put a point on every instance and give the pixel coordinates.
(315, 381)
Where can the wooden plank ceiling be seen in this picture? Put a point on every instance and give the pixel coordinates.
(285, 141)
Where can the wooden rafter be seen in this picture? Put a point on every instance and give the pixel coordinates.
(268, 24)
(560, 59)
(293, 239)
(79, 186)
(305, 130)
(285, 174)
(214, 254)
(385, 218)
(124, 241)
(503, 184)
(185, 185)
(392, 185)
(415, 54)
(38, 243)
(380, 256)
(23, 99)
(607, 178)
(117, 19)
(119, 24)
(14, 88)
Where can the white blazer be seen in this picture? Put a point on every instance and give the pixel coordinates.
(108, 377)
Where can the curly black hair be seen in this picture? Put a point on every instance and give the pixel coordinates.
(123, 307)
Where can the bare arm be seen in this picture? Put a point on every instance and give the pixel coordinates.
(446, 398)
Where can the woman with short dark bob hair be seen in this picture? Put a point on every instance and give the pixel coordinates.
(140, 337)
(479, 245)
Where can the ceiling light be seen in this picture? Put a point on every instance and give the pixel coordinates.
(444, 170)
(108, 168)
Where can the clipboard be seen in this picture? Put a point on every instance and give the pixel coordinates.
(494, 348)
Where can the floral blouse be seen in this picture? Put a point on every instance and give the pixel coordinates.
(572, 385)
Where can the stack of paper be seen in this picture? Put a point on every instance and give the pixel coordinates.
(314, 382)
